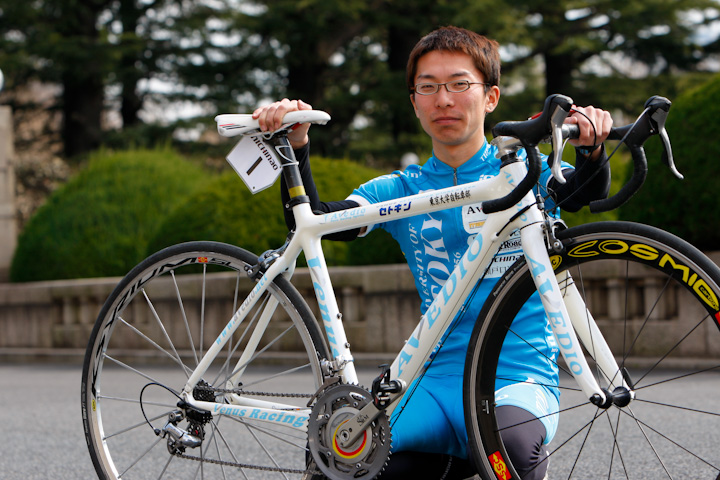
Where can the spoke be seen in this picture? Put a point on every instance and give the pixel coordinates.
(217, 450)
(632, 415)
(579, 431)
(647, 439)
(561, 368)
(236, 294)
(647, 317)
(591, 348)
(583, 295)
(279, 374)
(202, 310)
(201, 466)
(673, 348)
(287, 433)
(139, 424)
(128, 367)
(132, 400)
(590, 424)
(263, 350)
(250, 324)
(267, 452)
(175, 359)
(510, 330)
(687, 409)
(141, 456)
(167, 464)
(615, 432)
(199, 470)
(544, 416)
(215, 427)
(626, 315)
(184, 316)
(186, 369)
(281, 436)
(685, 375)
(549, 385)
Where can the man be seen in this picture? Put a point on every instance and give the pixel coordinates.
(453, 76)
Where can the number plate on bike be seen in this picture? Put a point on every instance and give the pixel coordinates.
(257, 165)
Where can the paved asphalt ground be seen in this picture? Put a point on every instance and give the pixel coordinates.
(43, 439)
(42, 433)
(40, 416)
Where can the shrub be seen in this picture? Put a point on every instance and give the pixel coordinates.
(98, 224)
(685, 208)
(226, 211)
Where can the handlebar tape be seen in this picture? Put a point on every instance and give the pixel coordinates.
(634, 136)
(531, 132)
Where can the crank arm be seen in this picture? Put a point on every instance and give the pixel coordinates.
(352, 429)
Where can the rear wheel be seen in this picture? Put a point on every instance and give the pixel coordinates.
(655, 298)
(150, 335)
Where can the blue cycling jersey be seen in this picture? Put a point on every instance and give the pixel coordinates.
(432, 245)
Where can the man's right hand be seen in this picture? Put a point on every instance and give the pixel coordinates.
(270, 119)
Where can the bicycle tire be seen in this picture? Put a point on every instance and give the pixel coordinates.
(666, 334)
(149, 335)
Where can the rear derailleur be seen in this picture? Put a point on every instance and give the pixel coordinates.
(178, 439)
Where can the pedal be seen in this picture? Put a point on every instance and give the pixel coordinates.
(383, 389)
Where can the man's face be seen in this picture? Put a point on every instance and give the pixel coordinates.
(453, 119)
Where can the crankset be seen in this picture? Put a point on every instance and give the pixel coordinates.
(364, 458)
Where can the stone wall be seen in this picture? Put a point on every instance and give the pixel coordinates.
(53, 320)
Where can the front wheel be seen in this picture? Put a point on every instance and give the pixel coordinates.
(151, 334)
(655, 299)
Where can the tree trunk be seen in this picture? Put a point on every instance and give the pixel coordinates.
(558, 74)
(82, 112)
(82, 76)
(129, 74)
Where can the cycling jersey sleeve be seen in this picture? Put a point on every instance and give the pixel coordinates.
(302, 155)
(590, 180)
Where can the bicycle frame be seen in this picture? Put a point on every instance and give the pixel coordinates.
(525, 216)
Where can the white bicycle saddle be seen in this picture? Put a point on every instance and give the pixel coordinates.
(233, 124)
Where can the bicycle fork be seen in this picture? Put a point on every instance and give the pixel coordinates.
(569, 317)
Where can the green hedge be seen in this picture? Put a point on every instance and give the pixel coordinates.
(99, 223)
(687, 208)
(124, 206)
(226, 211)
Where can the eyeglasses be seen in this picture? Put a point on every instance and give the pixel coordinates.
(452, 87)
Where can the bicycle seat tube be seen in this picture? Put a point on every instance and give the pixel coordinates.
(290, 169)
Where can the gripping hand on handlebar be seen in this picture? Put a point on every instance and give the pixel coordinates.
(594, 125)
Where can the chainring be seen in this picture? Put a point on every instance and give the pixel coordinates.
(367, 457)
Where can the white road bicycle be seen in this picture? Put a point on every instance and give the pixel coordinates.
(206, 362)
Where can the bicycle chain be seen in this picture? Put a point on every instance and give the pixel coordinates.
(239, 391)
(246, 465)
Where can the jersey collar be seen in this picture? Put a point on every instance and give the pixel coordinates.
(474, 163)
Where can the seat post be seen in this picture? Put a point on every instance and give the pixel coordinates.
(290, 169)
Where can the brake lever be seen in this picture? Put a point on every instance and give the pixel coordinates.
(557, 119)
(557, 140)
(659, 117)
